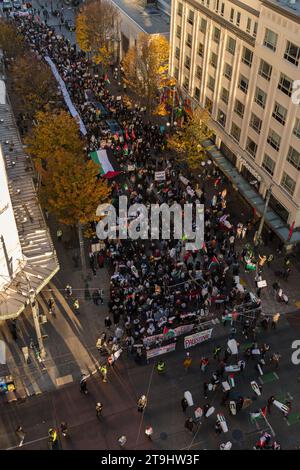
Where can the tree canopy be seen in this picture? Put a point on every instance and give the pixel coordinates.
(146, 66)
(11, 41)
(34, 84)
(97, 29)
(187, 141)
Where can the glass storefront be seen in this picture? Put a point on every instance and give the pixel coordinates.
(228, 153)
(250, 178)
(278, 208)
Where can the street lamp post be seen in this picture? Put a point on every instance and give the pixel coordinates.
(262, 220)
(33, 304)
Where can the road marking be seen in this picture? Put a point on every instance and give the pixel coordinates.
(27, 443)
(66, 379)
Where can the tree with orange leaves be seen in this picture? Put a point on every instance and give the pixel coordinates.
(146, 67)
(11, 41)
(97, 28)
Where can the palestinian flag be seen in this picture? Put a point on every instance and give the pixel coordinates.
(259, 414)
(106, 79)
(108, 165)
(214, 262)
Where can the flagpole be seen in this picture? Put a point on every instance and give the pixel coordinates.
(267, 423)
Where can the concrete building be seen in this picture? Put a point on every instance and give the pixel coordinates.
(240, 59)
(27, 257)
(142, 16)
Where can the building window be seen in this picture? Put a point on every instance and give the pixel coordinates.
(222, 9)
(260, 97)
(248, 27)
(285, 84)
(189, 40)
(177, 53)
(191, 17)
(238, 18)
(268, 164)
(265, 69)
(208, 104)
(179, 9)
(186, 83)
(232, 15)
(251, 147)
(216, 35)
(208, 3)
(255, 29)
(187, 62)
(221, 118)
(292, 53)
(270, 40)
(213, 60)
(231, 45)
(296, 130)
(197, 93)
(224, 95)
(203, 25)
(235, 132)
(288, 183)
(199, 72)
(243, 83)
(294, 158)
(247, 56)
(239, 108)
(255, 123)
(227, 71)
(279, 113)
(176, 73)
(211, 83)
(178, 31)
(274, 140)
(200, 49)
(217, 5)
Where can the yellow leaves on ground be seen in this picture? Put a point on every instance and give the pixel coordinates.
(188, 140)
(146, 66)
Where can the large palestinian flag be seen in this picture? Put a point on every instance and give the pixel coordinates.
(108, 165)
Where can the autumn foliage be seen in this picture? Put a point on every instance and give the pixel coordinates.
(11, 42)
(187, 141)
(96, 29)
(70, 188)
(33, 83)
(146, 67)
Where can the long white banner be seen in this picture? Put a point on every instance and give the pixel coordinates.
(66, 95)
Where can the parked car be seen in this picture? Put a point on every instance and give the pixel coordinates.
(17, 4)
(114, 127)
(7, 5)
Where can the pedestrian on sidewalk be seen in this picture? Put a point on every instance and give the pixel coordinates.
(107, 322)
(68, 290)
(122, 441)
(187, 362)
(204, 363)
(64, 429)
(103, 370)
(270, 403)
(142, 403)
(99, 408)
(149, 432)
(21, 435)
(275, 359)
(83, 385)
(275, 320)
(59, 234)
(76, 306)
(184, 404)
(50, 305)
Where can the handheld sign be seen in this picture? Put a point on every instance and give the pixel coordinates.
(260, 369)
(222, 421)
(210, 411)
(232, 368)
(188, 396)
(255, 387)
(225, 386)
(281, 406)
(232, 407)
(232, 345)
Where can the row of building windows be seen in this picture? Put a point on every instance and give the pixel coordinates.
(291, 54)
(219, 7)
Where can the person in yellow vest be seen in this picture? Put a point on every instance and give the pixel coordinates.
(161, 367)
(261, 260)
(103, 370)
(59, 234)
(76, 305)
(187, 362)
